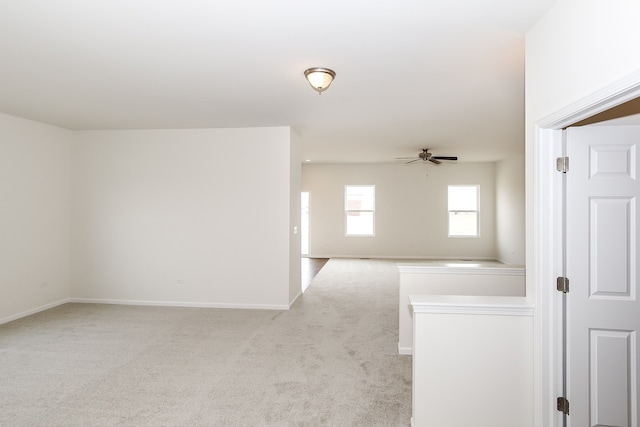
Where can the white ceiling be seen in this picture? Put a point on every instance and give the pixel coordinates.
(411, 74)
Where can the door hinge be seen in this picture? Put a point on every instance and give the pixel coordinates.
(562, 164)
(562, 284)
(563, 405)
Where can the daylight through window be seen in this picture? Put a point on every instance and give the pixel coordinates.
(359, 208)
(463, 210)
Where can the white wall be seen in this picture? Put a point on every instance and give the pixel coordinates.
(510, 206)
(197, 217)
(34, 216)
(577, 48)
(411, 210)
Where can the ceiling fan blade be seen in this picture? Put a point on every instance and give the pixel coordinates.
(408, 158)
(412, 161)
(444, 157)
(434, 161)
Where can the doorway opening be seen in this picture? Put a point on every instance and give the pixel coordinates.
(304, 223)
(310, 266)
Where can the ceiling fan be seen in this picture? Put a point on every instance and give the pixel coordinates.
(427, 157)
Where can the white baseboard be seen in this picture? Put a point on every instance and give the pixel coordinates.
(408, 351)
(179, 304)
(34, 311)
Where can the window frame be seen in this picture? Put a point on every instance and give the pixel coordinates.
(347, 210)
(476, 211)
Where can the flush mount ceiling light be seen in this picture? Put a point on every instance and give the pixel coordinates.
(319, 78)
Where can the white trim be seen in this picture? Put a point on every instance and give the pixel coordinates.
(479, 309)
(547, 224)
(610, 96)
(547, 266)
(179, 304)
(34, 311)
(496, 306)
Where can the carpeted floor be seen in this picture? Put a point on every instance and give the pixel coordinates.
(329, 361)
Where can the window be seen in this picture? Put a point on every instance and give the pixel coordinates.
(463, 210)
(359, 209)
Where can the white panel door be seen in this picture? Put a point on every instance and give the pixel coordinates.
(603, 312)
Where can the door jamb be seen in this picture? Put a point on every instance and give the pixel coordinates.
(547, 250)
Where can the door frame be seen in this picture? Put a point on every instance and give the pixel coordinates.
(543, 228)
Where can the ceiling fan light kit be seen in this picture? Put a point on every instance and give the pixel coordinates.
(319, 78)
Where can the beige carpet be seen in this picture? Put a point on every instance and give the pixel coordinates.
(329, 361)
